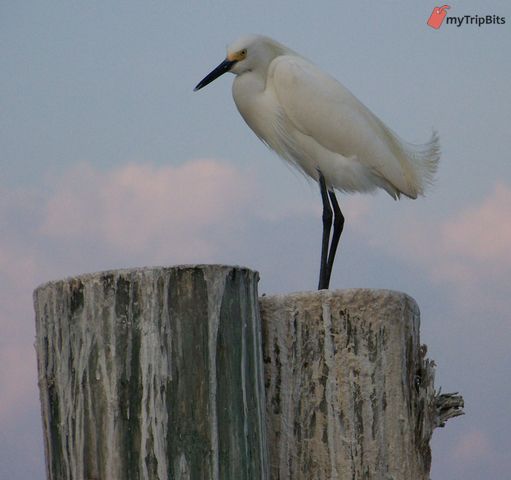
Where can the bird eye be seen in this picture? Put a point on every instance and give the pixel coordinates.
(244, 52)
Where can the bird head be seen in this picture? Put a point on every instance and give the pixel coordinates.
(252, 53)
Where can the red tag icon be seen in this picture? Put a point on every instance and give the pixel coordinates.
(437, 16)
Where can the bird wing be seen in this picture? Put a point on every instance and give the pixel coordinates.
(320, 107)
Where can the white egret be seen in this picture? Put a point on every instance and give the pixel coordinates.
(317, 125)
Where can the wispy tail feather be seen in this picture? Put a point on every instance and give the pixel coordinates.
(424, 158)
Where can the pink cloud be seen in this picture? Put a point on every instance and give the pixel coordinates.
(468, 252)
(138, 207)
(476, 450)
(18, 379)
(473, 248)
(472, 447)
(483, 233)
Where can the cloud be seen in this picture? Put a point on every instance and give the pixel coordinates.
(483, 233)
(472, 447)
(474, 254)
(137, 208)
(475, 453)
(468, 252)
(18, 379)
(19, 213)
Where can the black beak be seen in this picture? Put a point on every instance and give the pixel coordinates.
(224, 67)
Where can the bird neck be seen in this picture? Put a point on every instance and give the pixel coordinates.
(248, 91)
(249, 83)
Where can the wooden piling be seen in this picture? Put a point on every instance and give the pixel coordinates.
(152, 373)
(182, 373)
(349, 391)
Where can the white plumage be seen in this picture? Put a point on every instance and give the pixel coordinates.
(314, 122)
(317, 125)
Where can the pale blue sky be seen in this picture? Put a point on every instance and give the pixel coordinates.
(96, 94)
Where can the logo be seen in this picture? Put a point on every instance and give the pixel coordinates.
(439, 14)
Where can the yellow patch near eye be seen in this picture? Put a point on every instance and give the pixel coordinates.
(236, 56)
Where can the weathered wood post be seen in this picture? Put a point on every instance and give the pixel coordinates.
(152, 374)
(158, 374)
(349, 391)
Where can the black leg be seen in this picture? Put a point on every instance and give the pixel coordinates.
(327, 225)
(336, 235)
